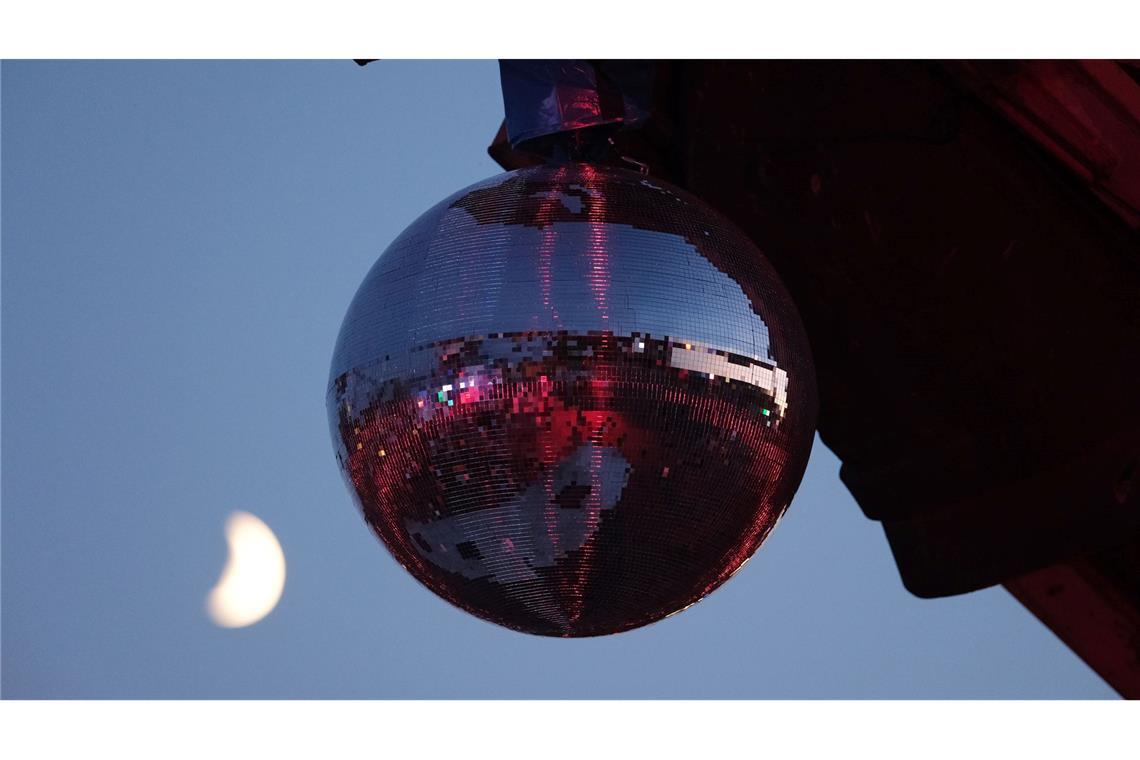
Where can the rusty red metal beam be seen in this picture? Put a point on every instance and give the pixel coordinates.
(1086, 114)
(1090, 603)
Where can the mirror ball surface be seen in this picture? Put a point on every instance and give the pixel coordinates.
(572, 400)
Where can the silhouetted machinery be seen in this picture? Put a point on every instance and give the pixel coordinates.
(961, 241)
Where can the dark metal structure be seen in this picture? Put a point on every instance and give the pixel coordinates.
(961, 241)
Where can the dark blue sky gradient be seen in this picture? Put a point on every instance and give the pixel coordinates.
(180, 243)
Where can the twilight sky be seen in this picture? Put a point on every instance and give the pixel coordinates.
(180, 243)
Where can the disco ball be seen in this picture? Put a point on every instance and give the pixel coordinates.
(572, 400)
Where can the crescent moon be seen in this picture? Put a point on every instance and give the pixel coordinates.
(253, 577)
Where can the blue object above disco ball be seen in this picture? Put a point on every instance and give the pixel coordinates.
(572, 400)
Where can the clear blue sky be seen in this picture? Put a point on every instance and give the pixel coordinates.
(180, 243)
